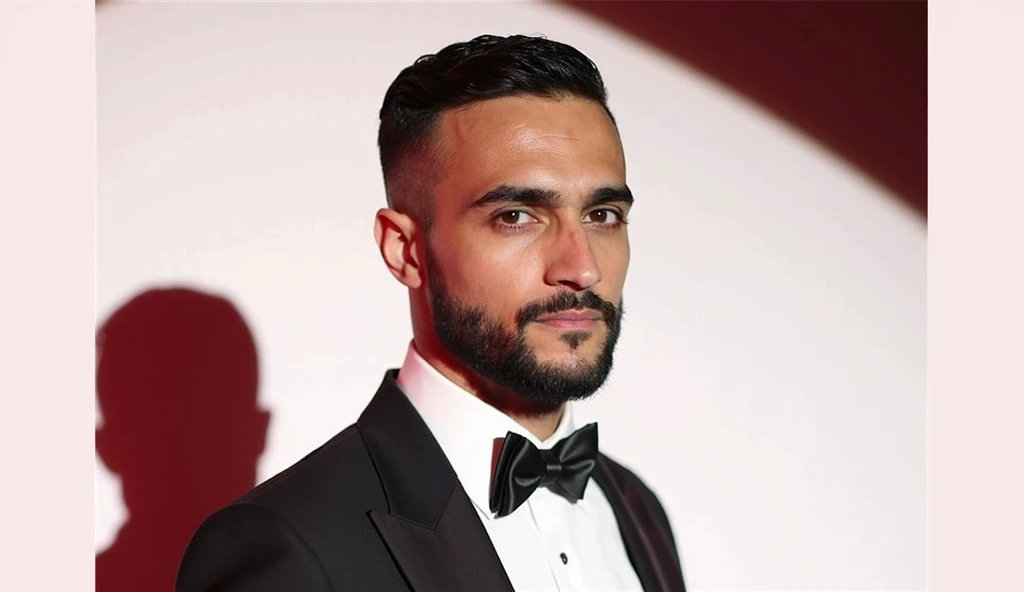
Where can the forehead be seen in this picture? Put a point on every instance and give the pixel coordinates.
(566, 145)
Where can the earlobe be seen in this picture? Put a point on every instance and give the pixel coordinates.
(395, 234)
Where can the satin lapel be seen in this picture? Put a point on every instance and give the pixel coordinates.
(431, 528)
(456, 554)
(651, 553)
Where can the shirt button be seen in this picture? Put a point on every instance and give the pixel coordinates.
(564, 558)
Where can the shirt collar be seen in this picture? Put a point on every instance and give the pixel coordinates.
(466, 426)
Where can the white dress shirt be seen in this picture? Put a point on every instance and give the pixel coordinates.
(547, 543)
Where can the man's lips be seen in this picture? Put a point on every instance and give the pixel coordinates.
(571, 319)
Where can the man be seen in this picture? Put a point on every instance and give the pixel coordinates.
(507, 196)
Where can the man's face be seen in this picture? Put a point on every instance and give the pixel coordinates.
(528, 251)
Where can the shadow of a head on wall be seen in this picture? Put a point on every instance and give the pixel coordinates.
(177, 383)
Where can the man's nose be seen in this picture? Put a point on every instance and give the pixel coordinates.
(572, 262)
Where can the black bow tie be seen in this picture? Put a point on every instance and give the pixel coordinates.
(522, 468)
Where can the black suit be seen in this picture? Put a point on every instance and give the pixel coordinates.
(378, 507)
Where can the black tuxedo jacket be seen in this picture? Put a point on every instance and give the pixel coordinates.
(378, 507)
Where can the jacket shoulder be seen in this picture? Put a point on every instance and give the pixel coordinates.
(338, 479)
(310, 510)
(341, 466)
(245, 547)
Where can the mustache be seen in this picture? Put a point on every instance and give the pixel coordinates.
(568, 301)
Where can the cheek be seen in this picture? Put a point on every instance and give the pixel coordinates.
(623, 265)
(613, 259)
(500, 278)
(507, 281)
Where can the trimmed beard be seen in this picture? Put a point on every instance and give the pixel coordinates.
(504, 358)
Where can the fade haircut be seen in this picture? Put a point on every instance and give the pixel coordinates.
(487, 67)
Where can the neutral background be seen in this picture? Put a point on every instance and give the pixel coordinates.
(770, 380)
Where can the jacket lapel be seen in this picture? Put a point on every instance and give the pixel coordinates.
(651, 553)
(431, 529)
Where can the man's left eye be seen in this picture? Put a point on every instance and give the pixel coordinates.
(603, 216)
(514, 218)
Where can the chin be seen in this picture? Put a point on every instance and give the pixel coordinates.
(562, 354)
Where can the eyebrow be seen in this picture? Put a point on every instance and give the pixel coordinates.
(550, 198)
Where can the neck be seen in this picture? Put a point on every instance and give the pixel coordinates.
(541, 426)
(539, 419)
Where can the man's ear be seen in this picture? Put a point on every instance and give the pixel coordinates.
(395, 233)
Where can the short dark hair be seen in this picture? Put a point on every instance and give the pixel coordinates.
(486, 67)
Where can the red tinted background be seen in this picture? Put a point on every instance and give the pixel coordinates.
(853, 75)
